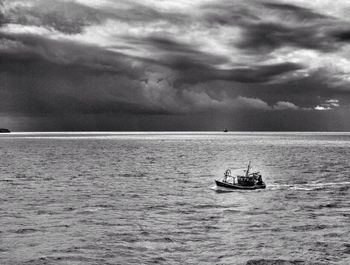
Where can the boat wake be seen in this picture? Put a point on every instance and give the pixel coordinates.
(308, 186)
(298, 187)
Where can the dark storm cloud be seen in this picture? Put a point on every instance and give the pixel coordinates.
(252, 74)
(81, 56)
(173, 53)
(238, 13)
(263, 73)
(298, 12)
(138, 13)
(49, 77)
(291, 26)
(103, 58)
(42, 87)
(228, 13)
(192, 65)
(342, 35)
(266, 37)
(172, 47)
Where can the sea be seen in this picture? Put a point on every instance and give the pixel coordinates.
(150, 198)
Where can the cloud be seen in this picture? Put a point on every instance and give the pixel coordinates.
(85, 57)
(318, 107)
(333, 102)
(287, 10)
(283, 105)
(328, 104)
(153, 32)
(269, 36)
(64, 16)
(341, 35)
(201, 101)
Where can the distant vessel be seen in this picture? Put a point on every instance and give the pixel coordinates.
(250, 181)
(3, 130)
(225, 130)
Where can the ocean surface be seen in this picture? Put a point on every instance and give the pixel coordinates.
(150, 198)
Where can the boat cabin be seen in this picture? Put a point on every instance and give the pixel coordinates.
(250, 179)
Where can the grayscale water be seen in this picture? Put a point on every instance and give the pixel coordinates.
(113, 198)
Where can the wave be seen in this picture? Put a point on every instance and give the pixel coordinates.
(25, 231)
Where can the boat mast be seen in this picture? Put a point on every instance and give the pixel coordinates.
(247, 172)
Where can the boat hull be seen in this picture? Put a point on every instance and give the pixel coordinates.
(238, 187)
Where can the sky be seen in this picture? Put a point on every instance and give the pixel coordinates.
(175, 65)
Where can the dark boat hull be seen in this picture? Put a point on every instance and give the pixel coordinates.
(238, 187)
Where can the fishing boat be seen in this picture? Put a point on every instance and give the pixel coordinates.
(4, 130)
(249, 181)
